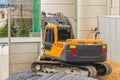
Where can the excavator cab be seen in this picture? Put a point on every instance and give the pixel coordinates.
(63, 35)
(56, 36)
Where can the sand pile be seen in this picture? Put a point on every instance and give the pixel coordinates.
(115, 75)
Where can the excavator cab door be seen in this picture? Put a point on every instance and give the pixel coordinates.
(49, 39)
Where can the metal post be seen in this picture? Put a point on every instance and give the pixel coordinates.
(41, 32)
(76, 18)
(36, 15)
(21, 10)
(9, 35)
(119, 7)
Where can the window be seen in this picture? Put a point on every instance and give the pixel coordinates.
(64, 33)
(49, 35)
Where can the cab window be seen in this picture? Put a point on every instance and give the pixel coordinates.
(64, 33)
(49, 35)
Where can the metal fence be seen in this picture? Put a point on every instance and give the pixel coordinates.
(21, 9)
(23, 53)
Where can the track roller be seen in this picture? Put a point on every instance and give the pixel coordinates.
(36, 67)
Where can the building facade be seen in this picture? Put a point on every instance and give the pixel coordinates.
(21, 9)
(3, 15)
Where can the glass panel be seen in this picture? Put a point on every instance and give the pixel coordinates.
(64, 34)
(49, 36)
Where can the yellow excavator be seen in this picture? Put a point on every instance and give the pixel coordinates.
(63, 53)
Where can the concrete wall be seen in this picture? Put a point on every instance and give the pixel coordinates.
(23, 8)
(23, 52)
(4, 66)
(110, 33)
(22, 55)
(88, 11)
(3, 48)
(65, 6)
(115, 7)
(4, 62)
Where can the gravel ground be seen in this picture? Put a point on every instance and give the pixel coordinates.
(29, 75)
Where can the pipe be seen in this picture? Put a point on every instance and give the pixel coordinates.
(75, 18)
(36, 8)
(9, 35)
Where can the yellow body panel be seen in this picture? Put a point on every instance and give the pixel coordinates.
(57, 47)
(85, 41)
(56, 50)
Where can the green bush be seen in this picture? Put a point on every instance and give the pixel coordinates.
(4, 30)
(23, 30)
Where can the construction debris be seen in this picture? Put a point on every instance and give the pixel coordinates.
(29, 75)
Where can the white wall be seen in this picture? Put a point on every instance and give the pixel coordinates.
(4, 62)
(88, 11)
(115, 7)
(4, 66)
(65, 6)
(110, 33)
(3, 49)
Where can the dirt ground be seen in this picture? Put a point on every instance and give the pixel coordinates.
(115, 75)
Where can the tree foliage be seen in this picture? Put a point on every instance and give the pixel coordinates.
(23, 30)
(4, 30)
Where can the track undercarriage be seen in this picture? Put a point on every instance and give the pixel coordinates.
(90, 70)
